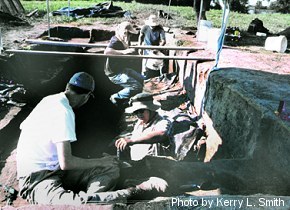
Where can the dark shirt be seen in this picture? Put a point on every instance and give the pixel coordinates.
(115, 65)
(153, 36)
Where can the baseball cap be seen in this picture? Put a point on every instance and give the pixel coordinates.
(83, 80)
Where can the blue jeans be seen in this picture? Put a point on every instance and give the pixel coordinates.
(130, 80)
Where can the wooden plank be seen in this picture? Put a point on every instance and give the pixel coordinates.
(3, 7)
(11, 8)
(18, 6)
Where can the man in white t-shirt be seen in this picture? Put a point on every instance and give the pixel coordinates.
(48, 173)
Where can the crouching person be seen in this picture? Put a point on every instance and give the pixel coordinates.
(118, 70)
(151, 133)
(48, 173)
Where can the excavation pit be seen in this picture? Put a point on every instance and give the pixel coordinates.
(234, 103)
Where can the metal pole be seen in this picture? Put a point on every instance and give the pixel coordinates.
(68, 13)
(75, 44)
(201, 59)
(1, 44)
(199, 16)
(200, 10)
(48, 18)
(168, 11)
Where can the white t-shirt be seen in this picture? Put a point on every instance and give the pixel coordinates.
(51, 121)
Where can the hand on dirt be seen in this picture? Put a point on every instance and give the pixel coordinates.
(121, 143)
(153, 183)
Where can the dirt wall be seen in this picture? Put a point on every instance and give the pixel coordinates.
(242, 105)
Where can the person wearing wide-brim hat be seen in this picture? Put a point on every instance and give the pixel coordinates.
(119, 70)
(151, 34)
(151, 133)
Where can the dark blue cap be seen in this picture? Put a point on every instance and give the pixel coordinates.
(83, 80)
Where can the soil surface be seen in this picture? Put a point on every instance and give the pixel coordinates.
(248, 53)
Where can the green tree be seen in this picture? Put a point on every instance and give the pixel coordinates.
(281, 6)
(259, 5)
(239, 6)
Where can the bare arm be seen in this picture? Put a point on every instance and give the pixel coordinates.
(162, 42)
(149, 138)
(111, 51)
(69, 162)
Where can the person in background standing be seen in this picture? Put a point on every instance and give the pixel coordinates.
(151, 34)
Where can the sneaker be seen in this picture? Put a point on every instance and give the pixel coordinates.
(113, 100)
(153, 183)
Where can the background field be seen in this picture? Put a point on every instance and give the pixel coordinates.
(182, 16)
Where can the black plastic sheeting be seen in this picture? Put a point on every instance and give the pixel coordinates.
(105, 9)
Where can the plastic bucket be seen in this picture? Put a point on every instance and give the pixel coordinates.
(203, 28)
(278, 44)
(212, 38)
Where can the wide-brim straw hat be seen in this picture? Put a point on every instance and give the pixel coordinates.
(142, 101)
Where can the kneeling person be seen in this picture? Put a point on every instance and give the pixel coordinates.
(118, 70)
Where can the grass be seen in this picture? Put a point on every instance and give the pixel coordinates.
(182, 16)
